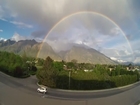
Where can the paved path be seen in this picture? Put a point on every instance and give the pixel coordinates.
(15, 91)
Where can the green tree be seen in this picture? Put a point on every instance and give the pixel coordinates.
(58, 65)
(48, 75)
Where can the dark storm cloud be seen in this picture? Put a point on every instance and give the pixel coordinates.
(40, 33)
(46, 13)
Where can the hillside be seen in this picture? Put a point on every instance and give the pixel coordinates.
(82, 54)
(31, 48)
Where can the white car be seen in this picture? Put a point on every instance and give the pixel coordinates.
(42, 90)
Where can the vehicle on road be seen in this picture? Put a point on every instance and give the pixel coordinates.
(42, 90)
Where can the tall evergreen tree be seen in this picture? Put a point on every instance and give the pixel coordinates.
(47, 76)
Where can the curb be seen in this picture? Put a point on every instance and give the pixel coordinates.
(84, 91)
(87, 94)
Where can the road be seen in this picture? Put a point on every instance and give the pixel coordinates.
(15, 91)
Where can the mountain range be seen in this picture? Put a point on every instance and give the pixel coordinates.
(32, 47)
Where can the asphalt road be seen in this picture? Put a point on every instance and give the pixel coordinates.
(15, 91)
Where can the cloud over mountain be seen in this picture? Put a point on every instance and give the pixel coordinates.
(104, 29)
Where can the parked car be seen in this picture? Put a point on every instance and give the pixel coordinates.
(42, 90)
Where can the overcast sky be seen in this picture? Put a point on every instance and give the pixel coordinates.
(109, 26)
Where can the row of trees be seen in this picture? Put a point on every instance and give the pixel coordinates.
(16, 65)
(67, 75)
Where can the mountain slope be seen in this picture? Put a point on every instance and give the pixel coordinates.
(6, 43)
(46, 50)
(34, 49)
(87, 56)
(31, 48)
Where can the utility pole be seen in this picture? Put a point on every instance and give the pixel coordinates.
(69, 78)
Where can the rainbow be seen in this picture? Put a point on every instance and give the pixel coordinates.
(83, 12)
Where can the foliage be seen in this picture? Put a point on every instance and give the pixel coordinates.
(84, 76)
(15, 65)
(58, 65)
(47, 75)
(40, 62)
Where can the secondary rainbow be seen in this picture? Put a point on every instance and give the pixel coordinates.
(83, 12)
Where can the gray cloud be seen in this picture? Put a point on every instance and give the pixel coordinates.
(46, 13)
(40, 33)
(137, 56)
(83, 28)
(82, 25)
(1, 11)
(119, 54)
(130, 37)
